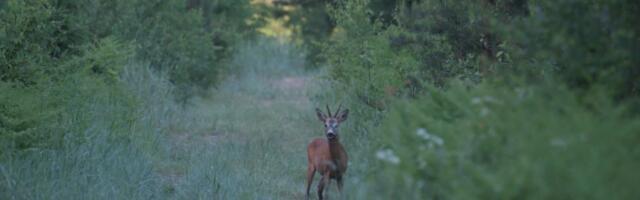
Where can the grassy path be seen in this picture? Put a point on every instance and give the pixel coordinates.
(251, 143)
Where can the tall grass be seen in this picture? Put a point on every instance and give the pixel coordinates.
(112, 139)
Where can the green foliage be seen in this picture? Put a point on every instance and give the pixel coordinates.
(102, 60)
(34, 37)
(306, 22)
(430, 42)
(56, 52)
(453, 39)
(79, 116)
(189, 41)
(490, 99)
(361, 57)
(583, 43)
(25, 119)
(543, 103)
(433, 42)
(31, 115)
(493, 142)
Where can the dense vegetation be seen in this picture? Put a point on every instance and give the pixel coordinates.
(183, 99)
(495, 99)
(87, 89)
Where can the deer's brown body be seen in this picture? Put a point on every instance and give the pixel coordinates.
(327, 155)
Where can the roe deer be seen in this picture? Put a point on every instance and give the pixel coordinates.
(327, 156)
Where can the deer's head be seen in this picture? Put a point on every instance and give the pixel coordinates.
(331, 122)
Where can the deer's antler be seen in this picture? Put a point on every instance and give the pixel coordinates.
(328, 111)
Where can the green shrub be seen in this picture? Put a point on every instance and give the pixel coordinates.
(188, 41)
(428, 42)
(31, 115)
(489, 142)
(544, 106)
(453, 39)
(360, 56)
(56, 52)
(25, 120)
(584, 44)
(34, 37)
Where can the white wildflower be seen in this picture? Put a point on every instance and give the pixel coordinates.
(491, 99)
(484, 111)
(388, 156)
(433, 139)
(476, 100)
(437, 140)
(521, 93)
(558, 142)
(485, 99)
(423, 133)
(422, 163)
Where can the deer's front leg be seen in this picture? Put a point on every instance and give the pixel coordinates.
(340, 183)
(324, 180)
(310, 172)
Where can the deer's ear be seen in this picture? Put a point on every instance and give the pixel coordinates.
(343, 115)
(321, 116)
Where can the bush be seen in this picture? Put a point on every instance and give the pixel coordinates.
(509, 99)
(34, 37)
(583, 44)
(491, 142)
(360, 56)
(455, 40)
(429, 42)
(56, 52)
(31, 115)
(184, 39)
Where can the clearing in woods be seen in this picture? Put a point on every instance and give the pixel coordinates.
(253, 130)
